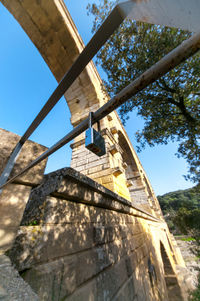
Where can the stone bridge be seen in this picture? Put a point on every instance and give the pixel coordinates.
(130, 200)
(51, 29)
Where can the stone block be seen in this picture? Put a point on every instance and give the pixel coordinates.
(38, 16)
(86, 292)
(109, 116)
(64, 275)
(114, 130)
(54, 280)
(44, 243)
(7, 237)
(13, 200)
(127, 291)
(103, 287)
(52, 210)
(113, 149)
(117, 171)
(29, 152)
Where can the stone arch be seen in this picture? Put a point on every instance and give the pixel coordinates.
(172, 285)
(50, 27)
(139, 191)
(139, 186)
(132, 171)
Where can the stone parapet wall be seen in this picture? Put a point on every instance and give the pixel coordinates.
(13, 197)
(30, 151)
(80, 241)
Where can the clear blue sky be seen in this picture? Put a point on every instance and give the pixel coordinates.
(26, 83)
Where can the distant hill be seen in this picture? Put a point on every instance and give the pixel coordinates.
(188, 198)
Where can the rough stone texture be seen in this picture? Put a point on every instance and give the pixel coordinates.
(13, 197)
(13, 200)
(29, 152)
(12, 286)
(191, 260)
(71, 184)
(79, 241)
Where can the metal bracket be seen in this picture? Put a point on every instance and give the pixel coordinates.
(93, 139)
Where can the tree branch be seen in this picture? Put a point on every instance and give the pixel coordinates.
(186, 114)
(167, 88)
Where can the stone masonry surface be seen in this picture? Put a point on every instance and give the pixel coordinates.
(12, 286)
(80, 241)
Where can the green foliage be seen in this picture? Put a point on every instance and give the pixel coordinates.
(33, 223)
(182, 210)
(170, 107)
(188, 239)
(187, 220)
(189, 199)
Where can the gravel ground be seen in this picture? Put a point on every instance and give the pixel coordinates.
(12, 286)
(191, 260)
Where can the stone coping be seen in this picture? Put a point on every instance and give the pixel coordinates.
(61, 184)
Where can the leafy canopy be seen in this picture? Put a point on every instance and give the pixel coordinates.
(170, 107)
(188, 198)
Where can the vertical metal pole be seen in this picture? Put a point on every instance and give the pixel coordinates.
(90, 119)
(98, 126)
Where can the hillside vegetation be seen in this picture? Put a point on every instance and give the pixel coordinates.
(188, 198)
(181, 210)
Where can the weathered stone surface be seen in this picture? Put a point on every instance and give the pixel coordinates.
(70, 184)
(91, 239)
(13, 200)
(12, 286)
(77, 249)
(63, 276)
(14, 197)
(127, 292)
(29, 152)
(37, 244)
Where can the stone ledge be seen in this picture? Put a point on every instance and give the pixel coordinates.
(69, 184)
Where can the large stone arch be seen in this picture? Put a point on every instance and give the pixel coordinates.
(172, 285)
(49, 26)
(139, 186)
(133, 174)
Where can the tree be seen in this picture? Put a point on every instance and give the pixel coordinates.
(188, 198)
(188, 221)
(170, 107)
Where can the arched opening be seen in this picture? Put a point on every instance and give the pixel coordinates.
(134, 180)
(172, 285)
